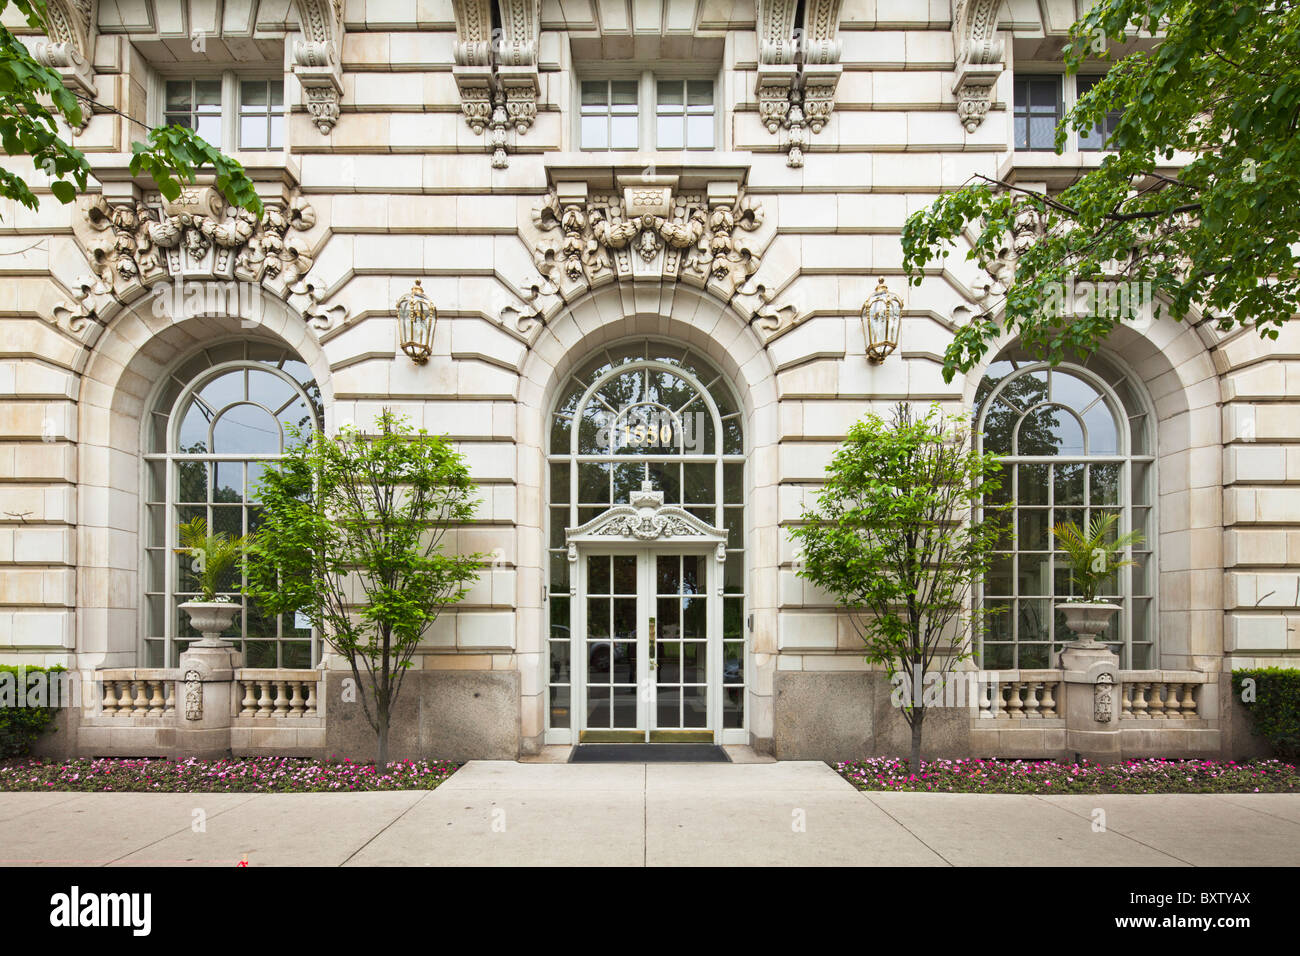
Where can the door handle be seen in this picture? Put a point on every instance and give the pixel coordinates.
(652, 644)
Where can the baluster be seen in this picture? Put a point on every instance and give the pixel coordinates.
(1031, 699)
(264, 701)
(1173, 708)
(1014, 706)
(169, 707)
(295, 702)
(248, 706)
(281, 699)
(109, 704)
(985, 705)
(311, 699)
(1140, 699)
(141, 703)
(1190, 708)
(124, 699)
(155, 698)
(1126, 699)
(1049, 699)
(1156, 701)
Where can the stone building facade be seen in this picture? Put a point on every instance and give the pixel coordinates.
(649, 228)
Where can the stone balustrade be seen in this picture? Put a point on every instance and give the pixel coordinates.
(1162, 695)
(276, 693)
(1019, 694)
(137, 692)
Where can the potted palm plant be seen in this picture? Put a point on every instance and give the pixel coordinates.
(214, 556)
(1093, 556)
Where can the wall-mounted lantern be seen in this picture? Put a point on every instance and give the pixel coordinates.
(882, 316)
(416, 317)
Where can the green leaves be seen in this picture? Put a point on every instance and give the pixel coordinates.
(1094, 555)
(894, 539)
(34, 100)
(353, 535)
(174, 154)
(214, 554)
(1215, 236)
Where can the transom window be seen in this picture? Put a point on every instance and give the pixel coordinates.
(663, 113)
(646, 412)
(219, 420)
(1075, 442)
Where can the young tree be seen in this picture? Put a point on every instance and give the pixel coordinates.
(893, 537)
(33, 98)
(352, 535)
(1222, 86)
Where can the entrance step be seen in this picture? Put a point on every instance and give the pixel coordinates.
(648, 753)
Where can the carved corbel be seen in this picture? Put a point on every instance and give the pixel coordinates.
(496, 71)
(978, 58)
(318, 59)
(70, 45)
(798, 70)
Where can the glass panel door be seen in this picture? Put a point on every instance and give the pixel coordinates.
(681, 607)
(646, 660)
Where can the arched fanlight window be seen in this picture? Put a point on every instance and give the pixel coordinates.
(217, 421)
(1076, 441)
(656, 412)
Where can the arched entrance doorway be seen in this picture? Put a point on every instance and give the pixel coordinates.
(646, 595)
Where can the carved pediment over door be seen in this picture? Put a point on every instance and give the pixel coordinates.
(647, 520)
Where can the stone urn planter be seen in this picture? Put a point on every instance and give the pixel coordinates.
(211, 618)
(1086, 620)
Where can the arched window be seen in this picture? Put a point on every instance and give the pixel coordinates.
(217, 421)
(640, 412)
(1076, 441)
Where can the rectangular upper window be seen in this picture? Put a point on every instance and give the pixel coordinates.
(1038, 109)
(233, 113)
(647, 112)
(1097, 138)
(609, 114)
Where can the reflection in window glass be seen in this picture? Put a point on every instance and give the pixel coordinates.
(608, 114)
(684, 114)
(1074, 447)
(196, 105)
(221, 417)
(658, 413)
(261, 114)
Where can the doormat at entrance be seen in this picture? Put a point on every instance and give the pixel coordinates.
(648, 753)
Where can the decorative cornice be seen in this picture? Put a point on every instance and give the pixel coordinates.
(318, 59)
(133, 245)
(496, 71)
(798, 70)
(70, 46)
(978, 58)
(646, 519)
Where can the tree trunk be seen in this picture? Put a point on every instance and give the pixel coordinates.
(914, 765)
(381, 760)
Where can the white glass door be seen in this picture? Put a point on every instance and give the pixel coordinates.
(648, 658)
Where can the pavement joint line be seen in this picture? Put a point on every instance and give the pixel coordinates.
(70, 798)
(385, 827)
(1041, 797)
(906, 829)
(1247, 804)
(168, 836)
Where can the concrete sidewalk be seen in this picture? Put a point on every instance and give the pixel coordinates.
(761, 814)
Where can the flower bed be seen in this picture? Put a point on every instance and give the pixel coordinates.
(1046, 776)
(237, 775)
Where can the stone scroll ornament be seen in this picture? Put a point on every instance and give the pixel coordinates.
(193, 693)
(978, 61)
(133, 245)
(73, 26)
(495, 70)
(1103, 698)
(318, 60)
(798, 70)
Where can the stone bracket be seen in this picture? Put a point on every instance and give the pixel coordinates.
(69, 47)
(978, 58)
(496, 70)
(798, 70)
(318, 59)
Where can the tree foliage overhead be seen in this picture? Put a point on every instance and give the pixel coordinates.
(1219, 235)
(894, 538)
(33, 101)
(353, 536)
